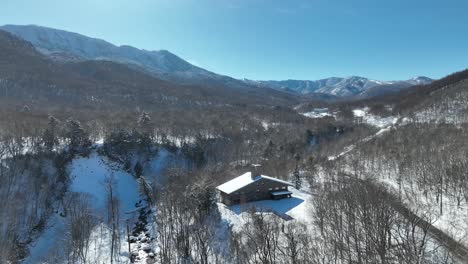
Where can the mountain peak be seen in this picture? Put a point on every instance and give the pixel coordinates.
(64, 45)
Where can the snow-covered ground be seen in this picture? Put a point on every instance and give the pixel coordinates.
(350, 148)
(50, 239)
(453, 220)
(91, 175)
(297, 207)
(363, 114)
(99, 249)
(154, 168)
(373, 120)
(319, 113)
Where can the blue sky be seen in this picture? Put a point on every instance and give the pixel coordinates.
(274, 39)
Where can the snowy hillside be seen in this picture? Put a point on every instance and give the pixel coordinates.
(91, 178)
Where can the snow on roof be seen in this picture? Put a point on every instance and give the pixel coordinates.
(277, 180)
(244, 180)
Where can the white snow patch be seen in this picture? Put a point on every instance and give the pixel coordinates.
(319, 113)
(373, 120)
(89, 175)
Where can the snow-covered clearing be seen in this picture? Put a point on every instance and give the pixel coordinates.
(297, 207)
(362, 114)
(319, 113)
(267, 125)
(373, 120)
(91, 175)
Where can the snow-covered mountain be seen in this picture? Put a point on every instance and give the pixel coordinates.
(67, 46)
(342, 87)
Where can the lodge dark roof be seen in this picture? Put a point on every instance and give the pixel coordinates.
(244, 180)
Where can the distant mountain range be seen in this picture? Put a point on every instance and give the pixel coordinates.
(63, 46)
(342, 87)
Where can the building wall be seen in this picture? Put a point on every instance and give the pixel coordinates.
(259, 190)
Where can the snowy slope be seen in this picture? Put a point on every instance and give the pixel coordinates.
(47, 244)
(89, 175)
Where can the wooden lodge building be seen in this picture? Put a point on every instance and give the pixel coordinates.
(253, 186)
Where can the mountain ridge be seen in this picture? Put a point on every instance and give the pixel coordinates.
(64, 46)
(340, 86)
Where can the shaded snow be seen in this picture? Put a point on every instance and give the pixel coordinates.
(155, 168)
(297, 207)
(99, 248)
(89, 175)
(41, 248)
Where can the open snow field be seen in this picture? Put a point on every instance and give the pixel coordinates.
(373, 120)
(319, 113)
(91, 174)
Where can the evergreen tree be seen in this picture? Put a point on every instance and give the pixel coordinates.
(50, 135)
(145, 128)
(77, 136)
(296, 174)
(138, 169)
(145, 189)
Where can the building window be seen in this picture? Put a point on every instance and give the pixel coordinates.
(284, 187)
(258, 190)
(270, 189)
(276, 188)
